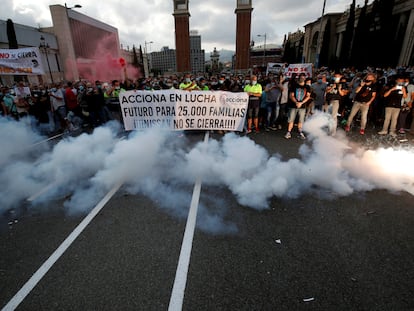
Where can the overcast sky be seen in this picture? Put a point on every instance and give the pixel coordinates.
(151, 20)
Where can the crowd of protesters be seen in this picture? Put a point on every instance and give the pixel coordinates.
(354, 99)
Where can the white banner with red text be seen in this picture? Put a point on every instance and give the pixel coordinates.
(184, 110)
(24, 61)
(297, 69)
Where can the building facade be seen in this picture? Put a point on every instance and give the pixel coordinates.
(164, 60)
(402, 24)
(88, 47)
(261, 55)
(197, 55)
(31, 37)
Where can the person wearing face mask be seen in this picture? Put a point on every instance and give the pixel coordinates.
(3, 107)
(393, 96)
(202, 84)
(168, 85)
(41, 108)
(254, 90)
(407, 105)
(319, 89)
(299, 94)
(71, 100)
(187, 84)
(112, 99)
(58, 107)
(365, 94)
(273, 92)
(224, 84)
(91, 105)
(8, 104)
(22, 99)
(334, 93)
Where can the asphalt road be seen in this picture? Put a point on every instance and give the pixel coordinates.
(309, 253)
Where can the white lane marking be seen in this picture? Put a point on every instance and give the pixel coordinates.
(177, 296)
(40, 273)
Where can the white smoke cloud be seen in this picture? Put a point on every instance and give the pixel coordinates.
(162, 166)
(17, 140)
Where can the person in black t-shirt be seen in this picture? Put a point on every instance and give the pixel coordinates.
(299, 94)
(334, 92)
(393, 99)
(364, 96)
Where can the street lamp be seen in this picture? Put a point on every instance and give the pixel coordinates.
(146, 67)
(146, 45)
(45, 47)
(264, 49)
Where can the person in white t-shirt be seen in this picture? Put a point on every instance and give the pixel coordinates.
(58, 107)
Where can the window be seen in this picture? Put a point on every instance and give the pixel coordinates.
(181, 4)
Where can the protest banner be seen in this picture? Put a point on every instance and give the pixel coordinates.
(182, 110)
(299, 68)
(24, 61)
(275, 68)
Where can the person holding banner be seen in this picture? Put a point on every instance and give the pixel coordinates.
(202, 84)
(254, 90)
(299, 94)
(188, 84)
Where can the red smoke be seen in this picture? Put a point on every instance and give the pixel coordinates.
(98, 55)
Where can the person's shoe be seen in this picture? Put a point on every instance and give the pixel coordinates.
(393, 134)
(249, 131)
(273, 128)
(382, 133)
(288, 135)
(347, 128)
(256, 130)
(279, 127)
(302, 136)
(267, 129)
(362, 131)
(401, 131)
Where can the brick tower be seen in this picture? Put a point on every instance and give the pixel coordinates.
(182, 35)
(244, 16)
